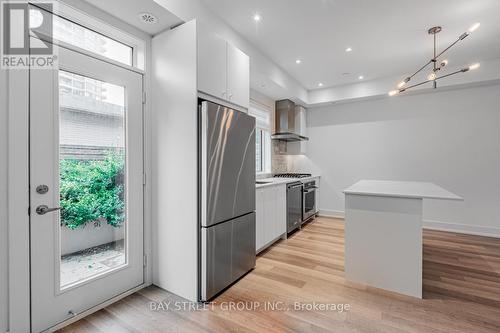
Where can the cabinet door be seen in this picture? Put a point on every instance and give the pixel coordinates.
(280, 226)
(259, 220)
(238, 76)
(269, 213)
(212, 69)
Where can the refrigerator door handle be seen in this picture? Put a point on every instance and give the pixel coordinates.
(203, 162)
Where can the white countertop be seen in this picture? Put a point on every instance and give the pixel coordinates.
(402, 189)
(276, 181)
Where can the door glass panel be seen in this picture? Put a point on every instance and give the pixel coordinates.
(309, 201)
(92, 182)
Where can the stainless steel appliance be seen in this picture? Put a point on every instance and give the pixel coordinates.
(287, 123)
(292, 175)
(309, 200)
(227, 197)
(293, 206)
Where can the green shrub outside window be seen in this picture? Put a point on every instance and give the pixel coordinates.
(92, 191)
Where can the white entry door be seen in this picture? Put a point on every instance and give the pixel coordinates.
(86, 186)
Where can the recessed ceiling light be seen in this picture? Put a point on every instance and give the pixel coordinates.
(148, 18)
(298, 61)
(257, 18)
(349, 49)
(320, 84)
(361, 77)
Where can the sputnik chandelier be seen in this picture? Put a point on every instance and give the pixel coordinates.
(437, 65)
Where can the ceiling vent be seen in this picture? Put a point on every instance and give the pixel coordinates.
(148, 18)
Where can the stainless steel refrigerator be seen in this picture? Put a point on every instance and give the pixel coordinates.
(227, 197)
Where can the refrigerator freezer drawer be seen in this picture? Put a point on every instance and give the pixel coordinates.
(227, 253)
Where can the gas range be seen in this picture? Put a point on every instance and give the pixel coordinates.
(300, 199)
(292, 175)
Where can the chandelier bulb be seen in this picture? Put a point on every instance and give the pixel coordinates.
(474, 27)
(431, 77)
(405, 81)
(474, 66)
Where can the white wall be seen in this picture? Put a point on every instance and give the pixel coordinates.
(3, 203)
(451, 138)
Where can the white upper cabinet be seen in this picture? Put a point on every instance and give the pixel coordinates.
(212, 63)
(223, 70)
(238, 76)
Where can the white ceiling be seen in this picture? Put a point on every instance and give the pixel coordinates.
(128, 12)
(388, 37)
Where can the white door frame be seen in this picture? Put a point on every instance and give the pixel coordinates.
(18, 189)
(49, 302)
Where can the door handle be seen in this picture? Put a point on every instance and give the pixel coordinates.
(43, 209)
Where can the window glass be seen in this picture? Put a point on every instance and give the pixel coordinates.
(262, 137)
(77, 35)
(258, 150)
(92, 178)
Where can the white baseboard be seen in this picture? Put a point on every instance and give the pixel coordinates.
(435, 225)
(339, 214)
(462, 228)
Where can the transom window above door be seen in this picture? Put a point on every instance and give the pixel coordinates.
(70, 32)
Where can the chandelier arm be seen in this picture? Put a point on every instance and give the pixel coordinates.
(449, 47)
(450, 74)
(421, 69)
(413, 86)
(435, 58)
(434, 84)
(441, 77)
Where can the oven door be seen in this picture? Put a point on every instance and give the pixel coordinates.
(308, 203)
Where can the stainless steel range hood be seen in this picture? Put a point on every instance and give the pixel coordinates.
(287, 123)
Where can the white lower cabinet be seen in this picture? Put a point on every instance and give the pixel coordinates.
(271, 215)
(259, 219)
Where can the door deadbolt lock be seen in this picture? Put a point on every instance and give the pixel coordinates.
(43, 209)
(42, 189)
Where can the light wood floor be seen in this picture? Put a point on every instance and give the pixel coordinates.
(461, 292)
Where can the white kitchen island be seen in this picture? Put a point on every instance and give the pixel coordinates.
(383, 233)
